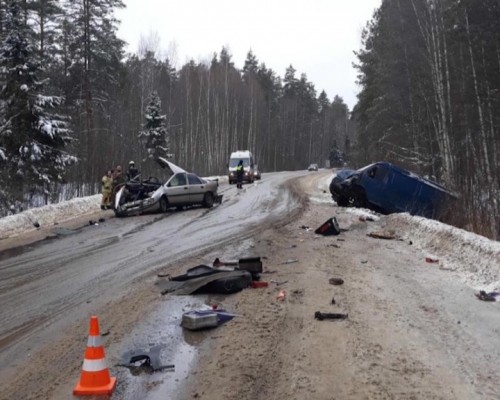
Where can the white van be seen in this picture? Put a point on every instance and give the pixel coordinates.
(248, 165)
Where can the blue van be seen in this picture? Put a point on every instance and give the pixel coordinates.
(386, 188)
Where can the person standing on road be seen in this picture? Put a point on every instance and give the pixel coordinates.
(239, 175)
(107, 188)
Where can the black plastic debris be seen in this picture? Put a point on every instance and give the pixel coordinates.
(101, 220)
(250, 264)
(148, 361)
(36, 224)
(333, 300)
(329, 227)
(492, 296)
(320, 316)
(336, 281)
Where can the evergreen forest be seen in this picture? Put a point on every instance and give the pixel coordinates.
(74, 104)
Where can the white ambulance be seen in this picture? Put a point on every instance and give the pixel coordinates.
(248, 165)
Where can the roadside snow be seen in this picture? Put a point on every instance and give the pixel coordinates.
(474, 258)
(13, 225)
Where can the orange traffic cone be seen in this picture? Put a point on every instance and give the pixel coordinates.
(94, 378)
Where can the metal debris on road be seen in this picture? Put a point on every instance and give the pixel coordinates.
(289, 262)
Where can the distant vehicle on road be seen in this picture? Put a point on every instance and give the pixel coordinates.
(256, 172)
(248, 166)
(386, 188)
(312, 167)
(178, 188)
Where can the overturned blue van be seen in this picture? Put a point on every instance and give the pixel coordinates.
(386, 188)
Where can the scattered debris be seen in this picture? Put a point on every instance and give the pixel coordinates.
(278, 283)
(364, 261)
(101, 220)
(207, 280)
(333, 245)
(105, 333)
(388, 235)
(305, 227)
(202, 319)
(146, 360)
(329, 227)
(321, 316)
(290, 261)
(364, 218)
(163, 275)
(259, 284)
(340, 240)
(333, 300)
(492, 296)
(36, 224)
(250, 264)
(431, 260)
(336, 281)
(92, 222)
(292, 246)
(281, 295)
(270, 272)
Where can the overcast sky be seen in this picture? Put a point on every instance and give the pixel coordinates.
(317, 37)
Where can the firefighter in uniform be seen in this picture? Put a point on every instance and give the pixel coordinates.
(107, 188)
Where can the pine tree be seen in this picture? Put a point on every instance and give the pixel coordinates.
(33, 137)
(96, 54)
(155, 135)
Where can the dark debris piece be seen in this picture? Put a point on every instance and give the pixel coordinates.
(320, 316)
(336, 281)
(149, 361)
(482, 295)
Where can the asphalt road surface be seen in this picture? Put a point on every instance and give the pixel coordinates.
(46, 287)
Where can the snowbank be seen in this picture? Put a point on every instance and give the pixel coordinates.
(475, 258)
(47, 215)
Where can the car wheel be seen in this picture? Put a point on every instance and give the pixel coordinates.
(163, 204)
(208, 200)
(342, 201)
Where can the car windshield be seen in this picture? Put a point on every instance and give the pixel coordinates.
(233, 162)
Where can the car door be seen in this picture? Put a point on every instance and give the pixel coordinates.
(197, 189)
(178, 189)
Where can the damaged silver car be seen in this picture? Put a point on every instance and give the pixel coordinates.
(176, 188)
